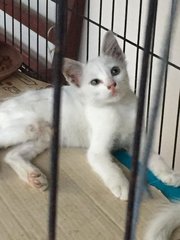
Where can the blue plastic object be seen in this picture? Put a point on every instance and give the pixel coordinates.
(170, 192)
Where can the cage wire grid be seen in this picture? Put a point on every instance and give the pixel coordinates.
(135, 200)
(35, 68)
(33, 64)
(153, 56)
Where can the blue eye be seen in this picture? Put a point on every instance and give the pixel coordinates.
(115, 71)
(95, 82)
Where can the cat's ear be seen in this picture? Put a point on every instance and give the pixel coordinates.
(111, 47)
(72, 71)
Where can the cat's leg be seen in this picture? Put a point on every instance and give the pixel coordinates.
(19, 158)
(161, 170)
(101, 161)
(21, 132)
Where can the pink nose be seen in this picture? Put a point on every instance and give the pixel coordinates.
(113, 85)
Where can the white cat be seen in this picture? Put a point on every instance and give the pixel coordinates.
(98, 113)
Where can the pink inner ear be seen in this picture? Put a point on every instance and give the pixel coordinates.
(74, 79)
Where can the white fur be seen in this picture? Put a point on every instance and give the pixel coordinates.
(162, 226)
(100, 118)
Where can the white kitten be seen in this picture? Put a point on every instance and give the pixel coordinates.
(98, 112)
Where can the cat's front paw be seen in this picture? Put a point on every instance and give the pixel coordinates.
(119, 187)
(170, 178)
(162, 171)
(120, 192)
(38, 180)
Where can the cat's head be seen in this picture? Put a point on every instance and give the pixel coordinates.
(104, 79)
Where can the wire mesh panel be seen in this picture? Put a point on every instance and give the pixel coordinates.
(25, 25)
(148, 48)
(127, 20)
(30, 27)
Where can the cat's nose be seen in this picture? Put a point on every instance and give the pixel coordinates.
(112, 85)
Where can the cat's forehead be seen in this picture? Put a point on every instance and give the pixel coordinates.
(102, 60)
(101, 64)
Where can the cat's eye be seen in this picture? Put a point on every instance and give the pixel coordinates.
(115, 71)
(95, 82)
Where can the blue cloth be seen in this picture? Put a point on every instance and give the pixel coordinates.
(172, 193)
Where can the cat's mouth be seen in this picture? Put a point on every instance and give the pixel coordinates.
(114, 92)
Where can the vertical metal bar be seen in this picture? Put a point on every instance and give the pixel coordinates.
(125, 25)
(138, 41)
(61, 10)
(20, 12)
(112, 16)
(47, 16)
(12, 22)
(100, 20)
(163, 110)
(37, 35)
(150, 73)
(129, 233)
(5, 26)
(87, 42)
(162, 117)
(145, 154)
(29, 35)
(176, 133)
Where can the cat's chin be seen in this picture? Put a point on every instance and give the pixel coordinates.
(114, 99)
(110, 100)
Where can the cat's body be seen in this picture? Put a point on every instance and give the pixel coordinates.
(98, 112)
(35, 106)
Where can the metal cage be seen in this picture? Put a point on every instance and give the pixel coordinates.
(31, 28)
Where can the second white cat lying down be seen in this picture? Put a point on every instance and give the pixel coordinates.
(98, 112)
